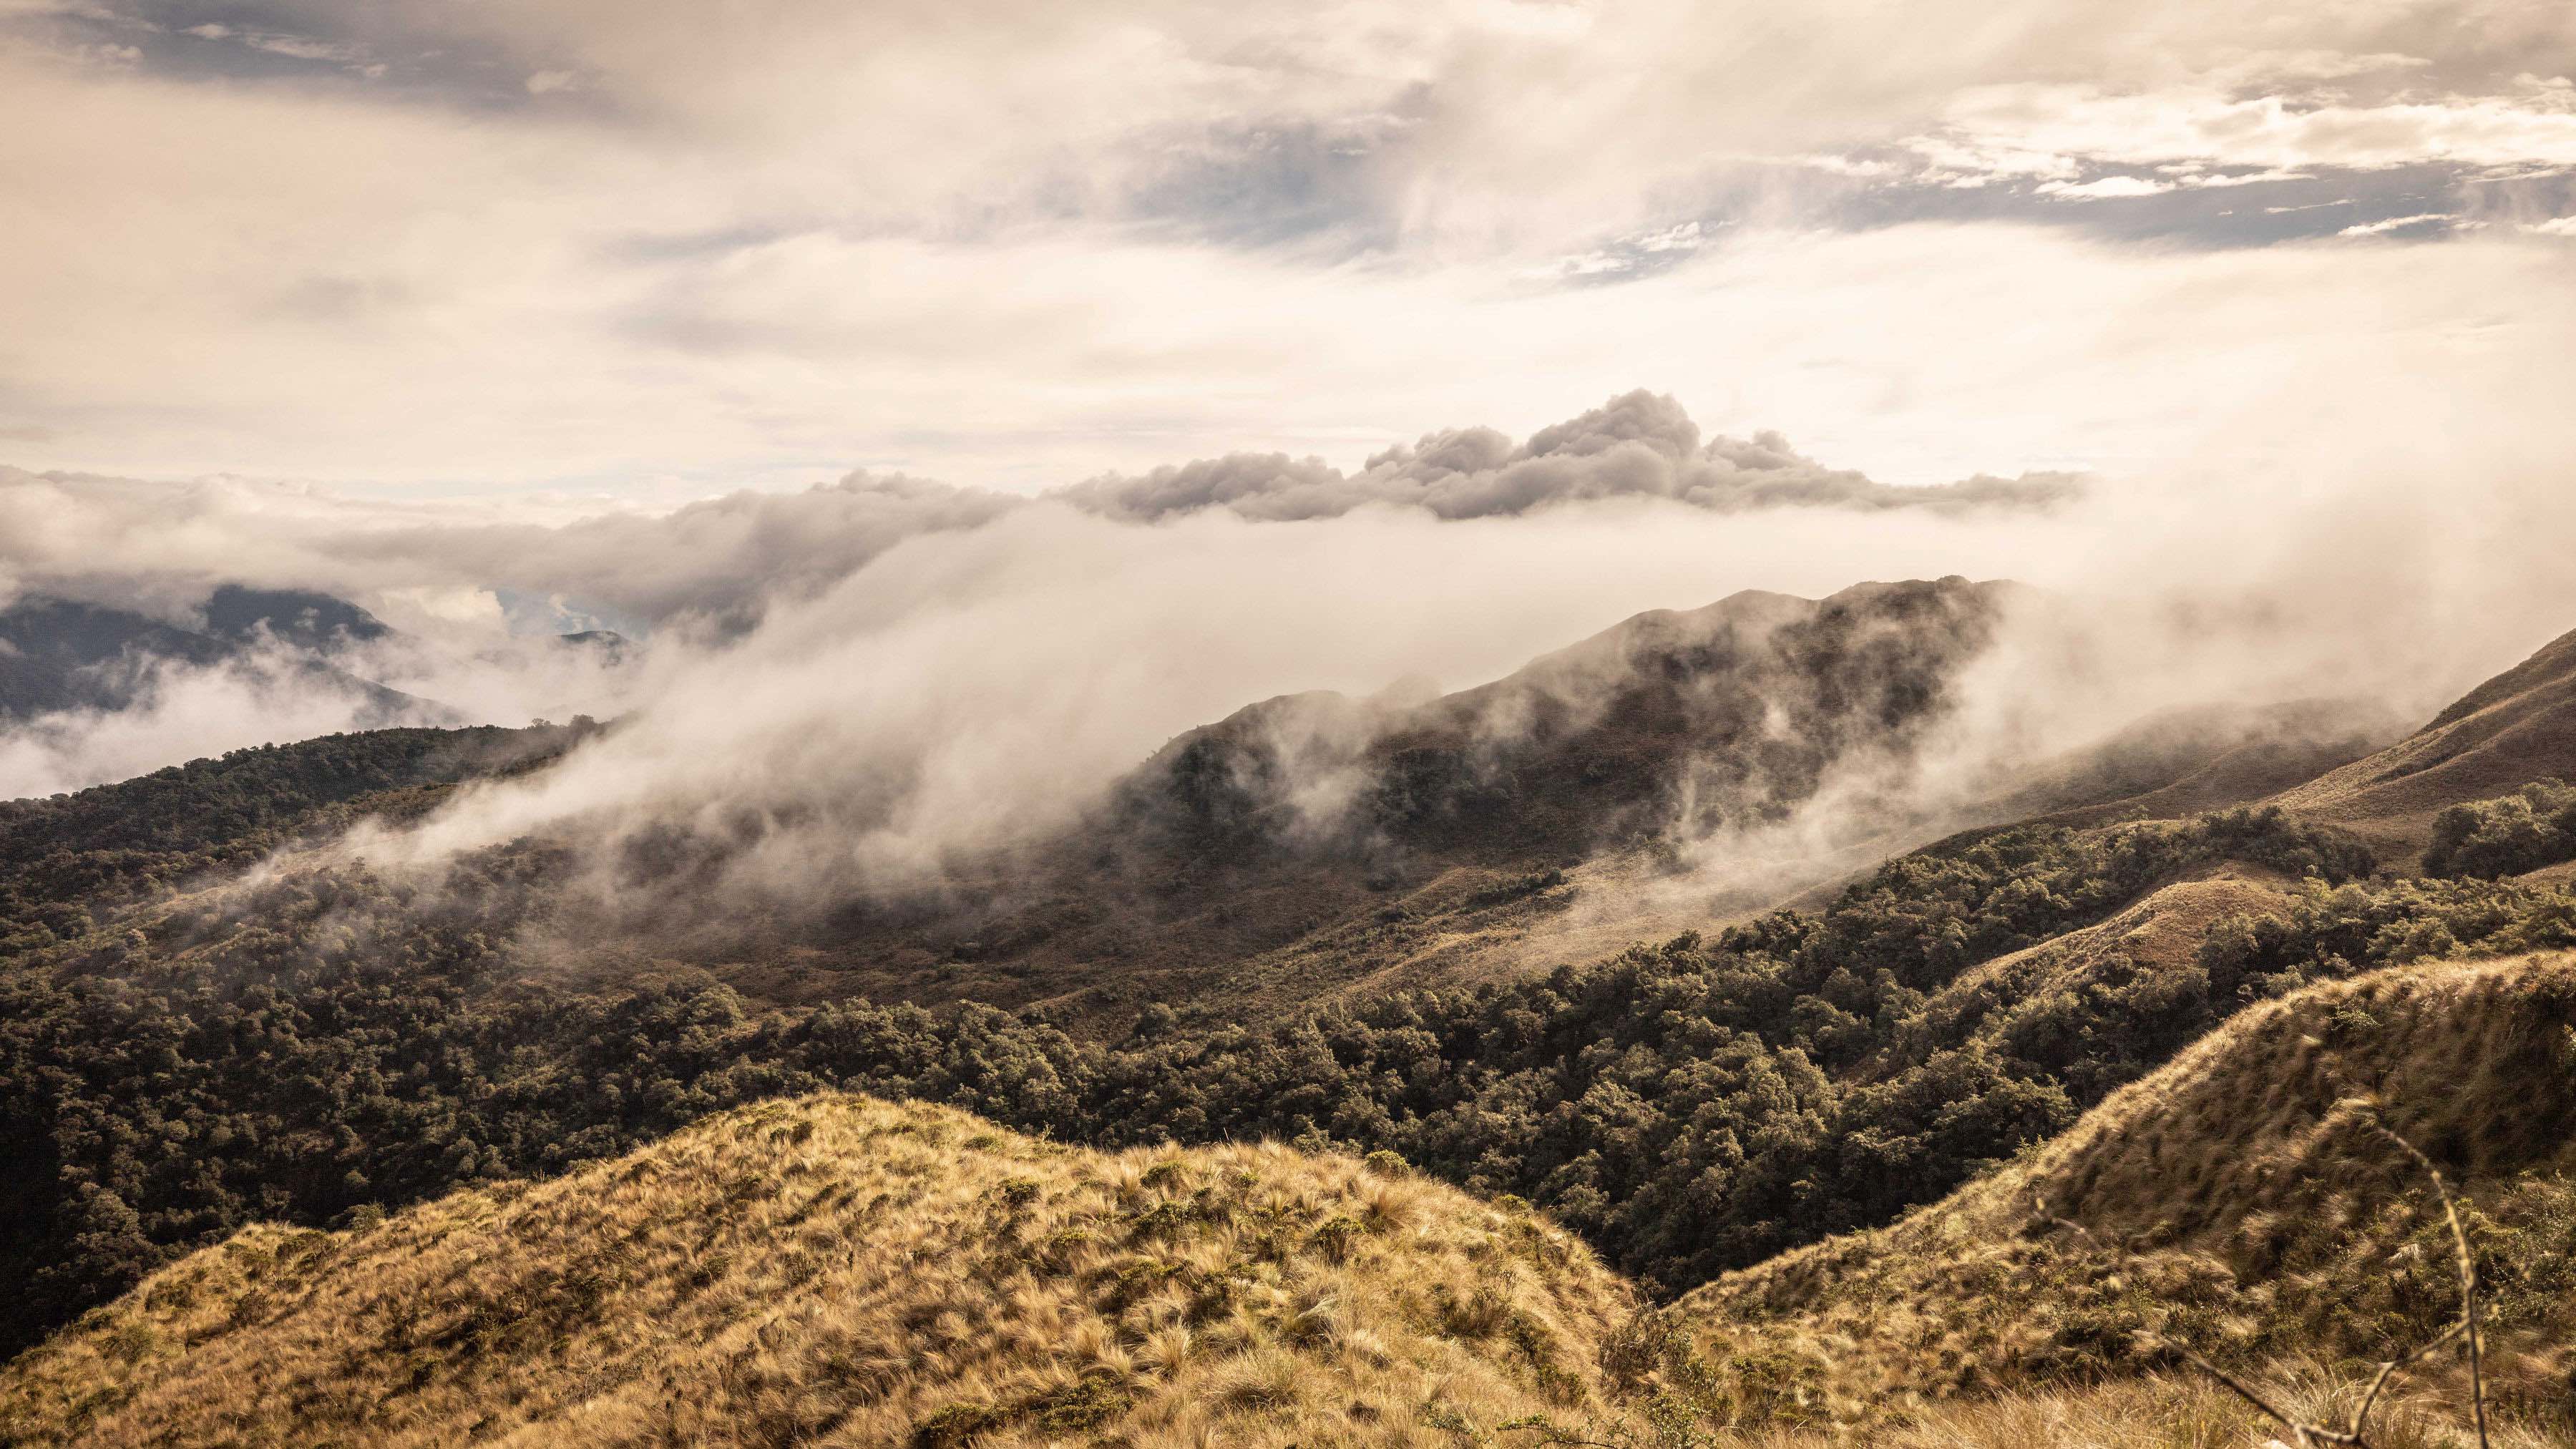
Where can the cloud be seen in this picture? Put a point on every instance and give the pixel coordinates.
(2421, 220)
(1639, 445)
(1002, 245)
(931, 670)
(2104, 187)
(2012, 131)
(181, 712)
(984, 686)
(519, 327)
(716, 563)
(1911, 356)
(719, 564)
(2343, 529)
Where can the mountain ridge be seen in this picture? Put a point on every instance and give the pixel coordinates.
(2515, 728)
(777, 1272)
(61, 655)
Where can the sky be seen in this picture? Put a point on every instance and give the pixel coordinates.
(559, 257)
(960, 399)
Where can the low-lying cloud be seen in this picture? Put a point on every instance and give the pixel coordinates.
(849, 688)
(1640, 445)
(717, 564)
(2360, 535)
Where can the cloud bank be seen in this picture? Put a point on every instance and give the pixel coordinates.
(709, 574)
(718, 563)
(2357, 533)
(1640, 445)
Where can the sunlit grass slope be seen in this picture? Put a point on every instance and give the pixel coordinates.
(2245, 1208)
(838, 1270)
(2517, 727)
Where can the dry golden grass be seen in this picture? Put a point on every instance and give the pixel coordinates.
(2261, 1220)
(2517, 727)
(2153, 1411)
(838, 1270)
(2156, 934)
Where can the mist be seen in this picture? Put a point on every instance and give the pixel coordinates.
(850, 686)
(2358, 537)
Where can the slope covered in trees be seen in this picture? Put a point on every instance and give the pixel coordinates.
(69, 860)
(1315, 844)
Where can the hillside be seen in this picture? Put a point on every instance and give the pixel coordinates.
(68, 861)
(1215, 869)
(838, 1270)
(2205, 757)
(2517, 727)
(2269, 1221)
(189, 1047)
(60, 655)
(336, 1041)
(1316, 845)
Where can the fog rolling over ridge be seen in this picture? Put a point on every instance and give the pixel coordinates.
(983, 684)
(705, 579)
(847, 686)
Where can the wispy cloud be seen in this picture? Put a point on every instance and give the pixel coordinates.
(2425, 219)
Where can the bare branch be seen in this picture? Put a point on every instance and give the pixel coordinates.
(2388, 1370)
(2305, 1432)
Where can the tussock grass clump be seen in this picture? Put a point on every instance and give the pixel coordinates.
(840, 1270)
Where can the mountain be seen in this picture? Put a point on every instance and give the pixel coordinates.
(56, 654)
(1308, 842)
(837, 1270)
(1669, 724)
(1315, 843)
(61, 655)
(2517, 727)
(299, 617)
